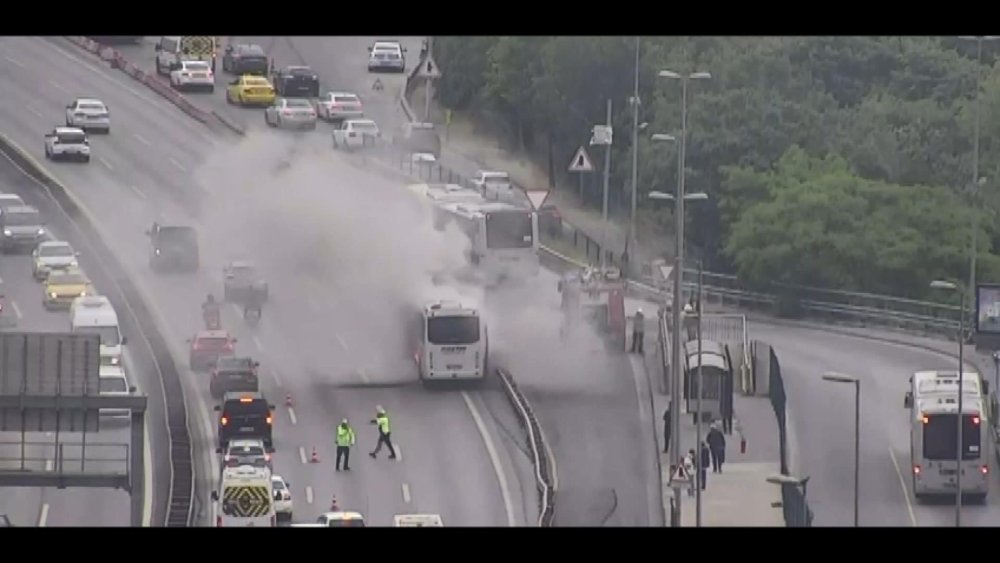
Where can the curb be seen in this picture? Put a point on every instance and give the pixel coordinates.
(232, 126)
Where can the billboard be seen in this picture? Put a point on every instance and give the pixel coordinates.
(988, 308)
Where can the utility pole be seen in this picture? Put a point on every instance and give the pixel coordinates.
(631, 244)
(607, 180)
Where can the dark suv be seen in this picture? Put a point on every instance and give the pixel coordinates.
(233, 375)
(245, 58)
(173, 248)
(23, 228)
(296, 82)
(245, 415)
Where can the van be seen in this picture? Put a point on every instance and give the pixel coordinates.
(113, 383)
(171, 50)
(96, 315)
(245, 415)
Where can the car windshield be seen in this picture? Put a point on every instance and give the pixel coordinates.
(212, 343)
(56, 251)
(109, 334)
(277, 484)
(71, 138)
(256, 82)
(365, 126)
(346, 100)
(196, 65)
(453, 330)
(69, 278)
(496, 178)
(113, 385)
(250, 50)
(234, 364)
(246, 451)
(297, 103)
(254, 407)
(22, 219)
(92, 106)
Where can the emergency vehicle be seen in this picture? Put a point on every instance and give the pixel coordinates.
(596, 296)
(245, 498)
(453, 343)
(172, 50)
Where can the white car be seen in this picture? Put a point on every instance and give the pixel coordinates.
(339, 105)
(53, 255)
(193, 75)
(386, 55)
(67, 142)
(89, 114)
(343, 519)
(113, 383)
(354, 133)
(492, 183)
(282, 497)
(294, 113)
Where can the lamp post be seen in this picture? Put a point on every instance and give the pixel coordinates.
(798, 482)
(636, 102)
(675, 361)
(938, 284)
(841, 378)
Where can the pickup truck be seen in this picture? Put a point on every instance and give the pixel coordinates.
(356, 133)
(493, 184)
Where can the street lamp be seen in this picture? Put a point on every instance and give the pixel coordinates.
(938, 284)
(841, 378)
(780, 479)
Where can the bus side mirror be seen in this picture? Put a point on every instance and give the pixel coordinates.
(908, 400)
(215, 495)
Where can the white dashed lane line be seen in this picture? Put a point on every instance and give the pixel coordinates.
(58, 86)
(302, 455)
(406, 493)
(256, 342)
(309, 495)
(44, 516)
(17, 310)
(177, 165)
(342, 343)
(291, 415)
(34, 110)
(12, 60)
(137, 191)
(141, 139)
(106, 164)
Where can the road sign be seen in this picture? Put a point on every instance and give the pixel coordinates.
(581, 161)
(602, 135)
(536, 197)
(680, 476)
(429, 68)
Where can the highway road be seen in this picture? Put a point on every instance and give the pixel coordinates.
(331, 336)
(821, 420)
(75, 507)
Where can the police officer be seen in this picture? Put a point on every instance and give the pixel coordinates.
(638, 332)
(345, 439)
(381, 420)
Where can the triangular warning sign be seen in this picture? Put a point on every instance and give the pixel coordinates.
(680, 475)
(537, 198)
(429, 68)
(581, 161)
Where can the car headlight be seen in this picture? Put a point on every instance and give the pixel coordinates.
(53, 294)
(41, 232)
(115, 361)
(7, 232)
(157, 251)
(83, 293)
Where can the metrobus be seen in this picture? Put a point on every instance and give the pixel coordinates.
(503, 236)
(933, 402)
(245, 498)
(453, 343)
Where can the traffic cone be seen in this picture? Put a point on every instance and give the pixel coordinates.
(315, 456)
(288, 399)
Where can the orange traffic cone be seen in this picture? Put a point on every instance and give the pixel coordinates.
(315, 456)
(288, 399)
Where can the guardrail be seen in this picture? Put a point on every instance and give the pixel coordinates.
(539, 458)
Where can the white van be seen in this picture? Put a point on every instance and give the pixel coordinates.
(245, 498)
(95, 314)
(172, 50)
(113, 383)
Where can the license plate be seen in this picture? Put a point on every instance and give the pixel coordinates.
(200, 75)
(246, 429)
(454, 366)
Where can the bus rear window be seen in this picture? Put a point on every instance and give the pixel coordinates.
(941, 435)
(453, 330)
(508, 230)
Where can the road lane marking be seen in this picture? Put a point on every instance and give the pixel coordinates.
(177, 165)
(34, 110)
(48, 465)
(364, 375)
(902, 483)
(105, 162)
(291, 415)
(399, 452)
(342, 343)
(277, 377)
(309, 494)
(494, 459)
(58, 86)
(17, 310)
(44, 516)
(406, 493)
(137, 191)
(142, 139)
(302, 455)
(257, 342)
(12, 60)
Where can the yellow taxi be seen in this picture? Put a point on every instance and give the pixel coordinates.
(250, 90)
(63, 286)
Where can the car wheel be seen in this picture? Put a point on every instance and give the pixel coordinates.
(241, 100)
(86, 159)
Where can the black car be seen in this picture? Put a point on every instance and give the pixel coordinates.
(23, 228)
(245, 415)
(173, 248)
(234, 375)
(245, 58)
(296, 81)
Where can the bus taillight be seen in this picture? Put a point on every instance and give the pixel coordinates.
(916, 470)
(926, 419)
(975, 420)
(985, 469)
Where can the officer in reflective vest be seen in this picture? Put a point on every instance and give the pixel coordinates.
(345, 439)
(381, 420)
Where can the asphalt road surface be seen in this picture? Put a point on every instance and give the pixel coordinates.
(328, 337)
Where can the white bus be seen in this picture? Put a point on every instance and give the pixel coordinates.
(453, 343)
(503, 236)
(245, 498)
(933, 402)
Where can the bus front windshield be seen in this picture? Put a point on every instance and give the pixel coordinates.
(941, 435)
(451, 331)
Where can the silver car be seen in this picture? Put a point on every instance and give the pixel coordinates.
(295, 113)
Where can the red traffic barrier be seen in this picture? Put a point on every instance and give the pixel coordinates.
(315, 456)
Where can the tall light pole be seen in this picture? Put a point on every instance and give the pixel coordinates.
(937, 284)
(697, 426)
(676, 357)
(841, 378)
(635, 101)
(977, 182)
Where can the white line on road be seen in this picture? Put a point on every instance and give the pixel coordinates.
(12, 60)
(364, 375)
(48, 465)
(902, 483)
(256, 341)
(137, 191)
(17, 310)
(44, 516)
(105, 162)
(277, 377)
(406, 493)
(399, 452)
(142, 139)
(342, 343)
(34, 110)
(291, 415)
(309, 494)
(494, 459)
(177, 165)
(58, 86)
(302, 455)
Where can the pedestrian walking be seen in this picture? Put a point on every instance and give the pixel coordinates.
(717, 446)
(381, 420)
(345, 439)
(638, 332)
(689, 468)
(667, 422)
(705, 458)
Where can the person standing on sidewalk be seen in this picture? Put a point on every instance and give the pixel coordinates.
(689, 463)
(638, 332)
(384, 433)
(345, 439)
(705, 458)
(667, 422)
(717, 445)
